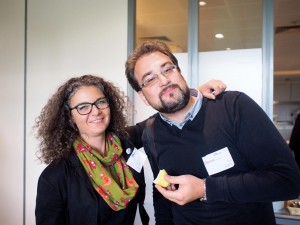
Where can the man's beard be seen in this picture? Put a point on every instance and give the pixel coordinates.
(179, 103)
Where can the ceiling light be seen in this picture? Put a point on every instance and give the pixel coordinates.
(219, 36)
(228, 49)
(202, 3)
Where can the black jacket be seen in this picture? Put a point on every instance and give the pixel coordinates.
(65, 196)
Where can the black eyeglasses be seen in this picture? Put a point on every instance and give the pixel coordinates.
(152, 79)
(86, 107)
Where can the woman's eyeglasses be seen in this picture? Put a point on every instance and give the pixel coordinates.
(86, 107)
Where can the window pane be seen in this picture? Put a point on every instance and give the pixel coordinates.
(286, 65)
(236, 58)
(165, 21)
(240, 23)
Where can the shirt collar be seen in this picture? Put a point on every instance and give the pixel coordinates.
(191, 114)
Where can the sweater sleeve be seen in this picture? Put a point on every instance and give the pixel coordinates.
(272, 174)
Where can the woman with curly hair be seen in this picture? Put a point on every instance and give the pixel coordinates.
(82, 135)
(83, 139)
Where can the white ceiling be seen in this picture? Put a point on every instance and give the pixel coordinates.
(240, 21)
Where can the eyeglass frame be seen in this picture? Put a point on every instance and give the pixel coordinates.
(155, 76)
(91, 105)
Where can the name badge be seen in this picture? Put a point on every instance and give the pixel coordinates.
(137, 160)
(218, 161)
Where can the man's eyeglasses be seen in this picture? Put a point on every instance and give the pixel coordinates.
(153, 78)
(86, 107)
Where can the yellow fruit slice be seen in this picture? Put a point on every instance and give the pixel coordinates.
(160, 179)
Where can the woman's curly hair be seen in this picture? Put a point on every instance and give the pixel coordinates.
(55, 130)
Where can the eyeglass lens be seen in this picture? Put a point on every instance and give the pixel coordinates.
(86, 108)
(153, 78)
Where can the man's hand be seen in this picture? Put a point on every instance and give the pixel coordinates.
(212, 88)
(189, 189)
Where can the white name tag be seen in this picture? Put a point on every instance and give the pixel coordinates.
(218, 161)
(137, 160)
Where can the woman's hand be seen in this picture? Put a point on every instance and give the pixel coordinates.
(212, 88)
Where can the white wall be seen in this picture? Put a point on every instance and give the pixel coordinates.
(65, 38)
(240, 69)
(11, 110)
(69, 38)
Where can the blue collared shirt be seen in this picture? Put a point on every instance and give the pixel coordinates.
(191, 114)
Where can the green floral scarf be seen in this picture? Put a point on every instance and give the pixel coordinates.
(110, 175)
